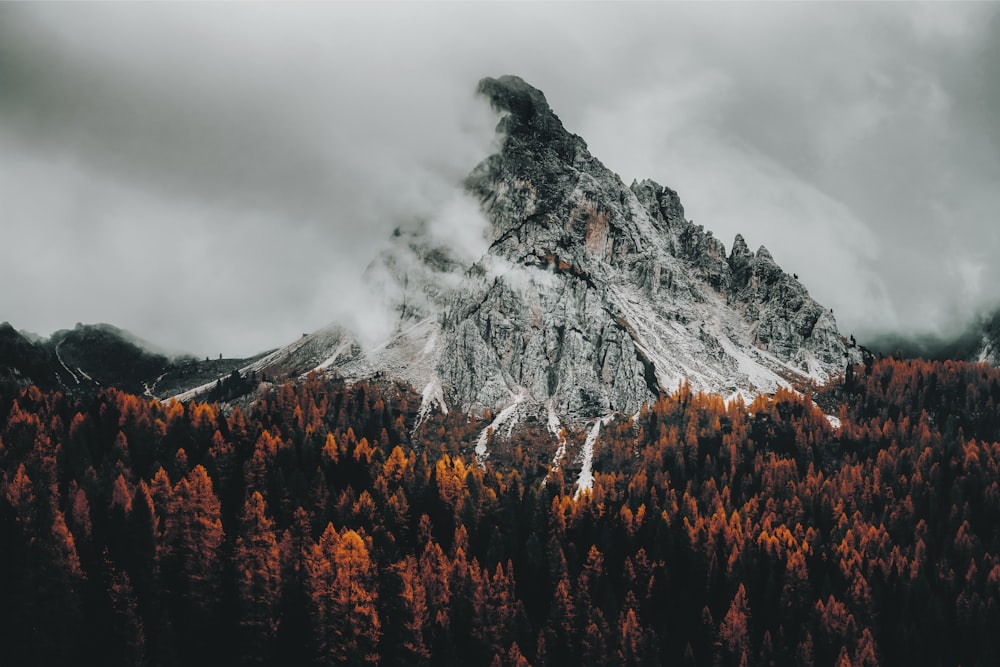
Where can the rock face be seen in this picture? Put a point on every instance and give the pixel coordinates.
(587, 297)
(592, 297)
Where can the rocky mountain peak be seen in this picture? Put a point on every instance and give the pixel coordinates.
(537, 159)
(740, 250)
(592, 298)
(524, 109)
(663, 204)
(740, 261)
(763, 256)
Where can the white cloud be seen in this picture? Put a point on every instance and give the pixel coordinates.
(216, 178)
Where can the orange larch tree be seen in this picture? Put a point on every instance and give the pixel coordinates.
(258, 579)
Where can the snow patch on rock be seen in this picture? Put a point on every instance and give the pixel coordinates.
(586, 480)
(329, 361)
(59, 357)
(507, 417)
(555, 428)
(430, 397)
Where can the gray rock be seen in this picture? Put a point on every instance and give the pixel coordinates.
(593, 297)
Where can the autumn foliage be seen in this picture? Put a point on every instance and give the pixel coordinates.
(318, 528)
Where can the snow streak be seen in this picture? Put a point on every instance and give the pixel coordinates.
(586, 480)
(505, 417)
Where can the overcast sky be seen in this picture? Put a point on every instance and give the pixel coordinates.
(215, 178)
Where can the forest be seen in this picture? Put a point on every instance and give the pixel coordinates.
(317, 526)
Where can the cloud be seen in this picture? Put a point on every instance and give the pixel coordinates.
(218, 189)
(216, 178)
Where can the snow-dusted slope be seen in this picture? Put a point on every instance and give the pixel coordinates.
(327, 348)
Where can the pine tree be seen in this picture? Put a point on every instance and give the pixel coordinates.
(258, 572)
(346, 625)
(195, 566)
(734, 631)
(126, 634)
(406, 617)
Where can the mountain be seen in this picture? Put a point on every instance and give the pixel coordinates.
(588, 297)
(81, 359)
(90, 356)
(592, 297)
(25, 360)
(101, 354)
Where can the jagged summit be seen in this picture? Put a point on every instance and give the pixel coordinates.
(592, 297)
(513, 94)
(523, 107)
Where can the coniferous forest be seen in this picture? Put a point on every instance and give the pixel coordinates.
(316, 527)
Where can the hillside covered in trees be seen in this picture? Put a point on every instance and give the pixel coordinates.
(316, 528)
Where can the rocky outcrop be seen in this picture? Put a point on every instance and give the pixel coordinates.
(592, 297)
